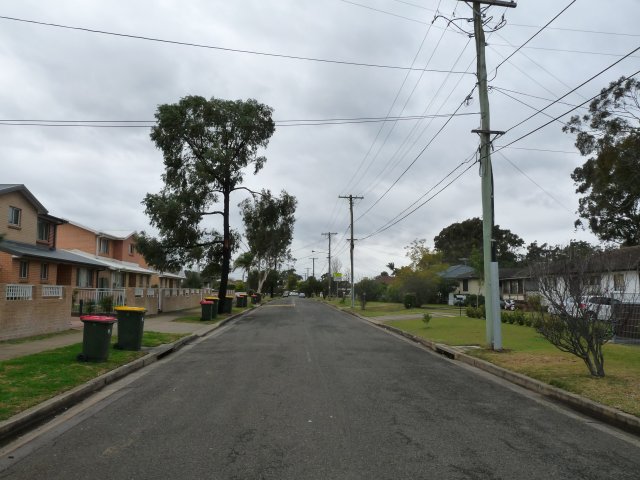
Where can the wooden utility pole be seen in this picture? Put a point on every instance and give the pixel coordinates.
(329, 234)
(353, 292)
(491, 277)
(313, 262)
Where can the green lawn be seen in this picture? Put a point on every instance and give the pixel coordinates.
(529, 353)
(30, 380)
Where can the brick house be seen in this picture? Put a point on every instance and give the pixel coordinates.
(126, 266)
(36, 277)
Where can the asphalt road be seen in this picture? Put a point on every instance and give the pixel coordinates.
(297, 390)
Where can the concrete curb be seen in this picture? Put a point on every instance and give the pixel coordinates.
(606, 414)
(36, 415)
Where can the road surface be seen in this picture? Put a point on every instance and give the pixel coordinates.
(298, 390)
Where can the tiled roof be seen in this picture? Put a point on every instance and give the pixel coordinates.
(20, 249)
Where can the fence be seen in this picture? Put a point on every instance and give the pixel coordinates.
(97, 299)
(19, 292)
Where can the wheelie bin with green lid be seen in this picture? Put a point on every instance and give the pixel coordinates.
(96, 338)
(206, 310)
(214, 310)
(130, 327)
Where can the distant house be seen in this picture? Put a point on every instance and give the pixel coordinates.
(468, 281)
(125, 266)
(515, 283)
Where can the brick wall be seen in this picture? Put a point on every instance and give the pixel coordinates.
(144, 301)
(24, 318)
(70, 236)
(10, 271)
(27, 232)
(173, 303)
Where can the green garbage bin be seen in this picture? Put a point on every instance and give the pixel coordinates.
(254, 299)
(228, 304)
(241, 301)
(206, 307)
(130, 327)
(214, 309)
(96, 338)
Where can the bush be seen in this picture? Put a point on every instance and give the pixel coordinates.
(471, 312)
(409, 300)
(106, 304)
(474, 299)
(534, 303)
(426, 318)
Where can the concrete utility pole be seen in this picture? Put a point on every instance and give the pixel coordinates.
(491, 277)
(313, 262)
(328, 234)
(353, 291)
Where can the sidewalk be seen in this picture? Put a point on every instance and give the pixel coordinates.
(158, 323)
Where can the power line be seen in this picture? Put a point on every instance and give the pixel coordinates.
(391, 165)
(564, 50)
(388, 226)
(561, 115)
(214, 47)
(540, 30)
(281, 123)
(573, 90)
(404, 106)
(417, 156)
(536, 183)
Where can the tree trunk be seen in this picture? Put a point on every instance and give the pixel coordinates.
(226, 253)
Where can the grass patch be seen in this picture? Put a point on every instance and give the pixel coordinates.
(529, 353)
(32, 379)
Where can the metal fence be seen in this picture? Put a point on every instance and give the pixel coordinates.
(97, 299)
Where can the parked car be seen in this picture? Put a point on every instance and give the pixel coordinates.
(593, 307)
(459, 300)
(301, 295)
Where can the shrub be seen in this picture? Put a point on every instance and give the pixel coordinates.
(426, 318)
(409, 300)
(471, 312)
(474, 299)
(106, 304)
(534, 303)
(519, 316)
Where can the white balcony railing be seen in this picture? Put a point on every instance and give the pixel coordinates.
(151, 292)
(139, 292)
(52, 291)
(19, 292)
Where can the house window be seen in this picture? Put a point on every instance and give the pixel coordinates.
(593, 280)
(24, 270)
(104, 245)
(15, 216)
(618, 282)
(465, 285)
(43, 231)
(131, 249)
(44, 271)
(84, 278)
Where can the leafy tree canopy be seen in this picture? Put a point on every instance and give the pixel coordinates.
(268, 223)
(206, 146)
(460, 239)
(610, 179)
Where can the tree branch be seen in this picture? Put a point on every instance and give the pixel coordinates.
(216, 212)
(247, 189)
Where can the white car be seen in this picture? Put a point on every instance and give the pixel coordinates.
(592, 307)
(301, 295)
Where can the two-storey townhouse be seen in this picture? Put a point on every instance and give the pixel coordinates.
(124, 267)
(29, 253)
(37, 279)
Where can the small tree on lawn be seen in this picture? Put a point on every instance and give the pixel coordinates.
(576, 321)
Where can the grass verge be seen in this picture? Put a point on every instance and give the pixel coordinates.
(529, 353)
(32, 379)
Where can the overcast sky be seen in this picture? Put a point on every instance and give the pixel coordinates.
(98, 176)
